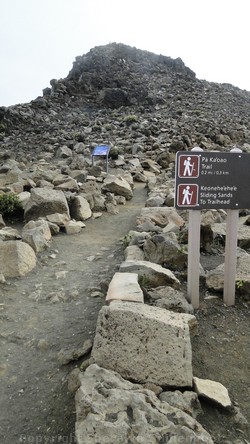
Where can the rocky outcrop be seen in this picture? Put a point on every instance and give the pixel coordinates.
(178, 112)
(110, 409)
(146, 107)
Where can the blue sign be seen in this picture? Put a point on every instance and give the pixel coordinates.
(101, 150)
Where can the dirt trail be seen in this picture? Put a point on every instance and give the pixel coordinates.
(52, 309)
(48, 310)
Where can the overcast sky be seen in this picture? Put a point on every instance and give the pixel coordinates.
(39, 39)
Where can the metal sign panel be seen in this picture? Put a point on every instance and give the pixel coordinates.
(211, 180)
(101, 150)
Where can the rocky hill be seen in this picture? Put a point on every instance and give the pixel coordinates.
(146, 107)
(122, 95)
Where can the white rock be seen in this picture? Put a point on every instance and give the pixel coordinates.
(74, 227)
(213, 391)
(124, 287)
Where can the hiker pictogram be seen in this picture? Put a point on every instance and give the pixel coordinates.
(189, 166)
(187, 195)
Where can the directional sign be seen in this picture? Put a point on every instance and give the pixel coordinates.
(211, 180)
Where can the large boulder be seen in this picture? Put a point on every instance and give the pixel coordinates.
(9, 233)
(37, 234)
(9, 178)
(110, 409)
(80, 208)
(16, 258)
(117, 185)
(163, 250)
(160, 216)
(170, 299)
(150, 274)
(243, 235)
(44, 201)
(145, 344)
(215, 277)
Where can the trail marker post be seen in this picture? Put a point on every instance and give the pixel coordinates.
(103, 151)
(194, 230)
(212, 180)
(231, 253)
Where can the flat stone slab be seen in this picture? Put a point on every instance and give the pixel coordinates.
(212, 390)
(144, 344)
(125, 287)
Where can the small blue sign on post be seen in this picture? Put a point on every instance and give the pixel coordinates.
(103, 151)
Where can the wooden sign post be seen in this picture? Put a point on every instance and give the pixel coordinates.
(194, 231)
(212, 180)
(231, 252)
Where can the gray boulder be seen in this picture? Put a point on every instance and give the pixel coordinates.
(170, 299)
(163, 250)
(110, 409)
(212, 390)
(8, 233)
(124, 287)
(150, 274)
(117, 185)
(16, 258)
(133, 253)
(243, 236)
(160, 216)
(215, 277)
(44, 202)
(80, 209)
(145, 344)
(37, 234)
(187, 401)
(64, 152)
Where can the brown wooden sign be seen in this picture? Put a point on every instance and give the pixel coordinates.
(211, 180)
